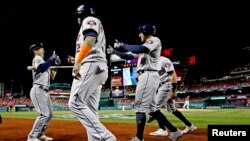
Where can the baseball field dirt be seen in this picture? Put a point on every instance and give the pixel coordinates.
(15, 129)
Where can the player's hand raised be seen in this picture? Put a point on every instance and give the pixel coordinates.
(53, 57)
(110, 50)
(118, 44)
(71, 59)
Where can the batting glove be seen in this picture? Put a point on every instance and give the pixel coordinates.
(110, 50)
(53, 56)
(118, 44)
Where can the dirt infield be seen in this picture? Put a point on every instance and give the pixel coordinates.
(13, 129)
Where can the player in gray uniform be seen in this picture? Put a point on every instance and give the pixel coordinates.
(165, 97)
(144, 91)
(90, 72)
(148, 54)
(39, 91)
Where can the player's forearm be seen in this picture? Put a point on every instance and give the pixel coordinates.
(174, 81)
(44, 66)
(90, 41)
(85, 48)
(135, 48)
(173, 77)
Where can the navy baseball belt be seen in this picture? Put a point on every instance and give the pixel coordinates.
(142, 71)
(164, 82)
(45, 88)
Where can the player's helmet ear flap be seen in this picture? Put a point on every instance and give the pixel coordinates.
(35, 46)
(147, 29)
(84, 10)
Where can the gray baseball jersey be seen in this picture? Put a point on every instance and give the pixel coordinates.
(165, 65)
(40, 78)
(150, 61)
(163, 96)
(98, 52)
(40, 99)
(148, 80)
(86, 92)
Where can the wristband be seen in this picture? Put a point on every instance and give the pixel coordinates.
(174, 86)
(84, 50)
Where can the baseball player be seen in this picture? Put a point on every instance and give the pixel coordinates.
(90, 72)
(39, 91)
(186, 103)
(145, 91)
(148, 56)
(165, 97)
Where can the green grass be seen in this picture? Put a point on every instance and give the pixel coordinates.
(200, 118)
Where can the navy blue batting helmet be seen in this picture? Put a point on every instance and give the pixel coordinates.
(147, 29)
(84, 10)
(35, 46)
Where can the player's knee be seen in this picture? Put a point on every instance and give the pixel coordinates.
(46, 116)
(175, 112)
(169, 110)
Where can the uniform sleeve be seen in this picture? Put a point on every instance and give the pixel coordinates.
(168, 64)
(160, 64)
(152, 43)
(37, 61)
(91, 23)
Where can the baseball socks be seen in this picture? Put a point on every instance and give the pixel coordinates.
(156, 115)
(141, 121)
(179, 115)
(164, 121)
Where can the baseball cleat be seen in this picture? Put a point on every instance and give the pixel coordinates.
(45, 138)
(136, 139)
(175, 136)
(189, 129)
(33, 139)
(159, 132)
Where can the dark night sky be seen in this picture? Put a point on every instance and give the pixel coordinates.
(215, 33)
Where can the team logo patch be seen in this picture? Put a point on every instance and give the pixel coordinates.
(167, 65)
(91, 22)
(149, 41)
